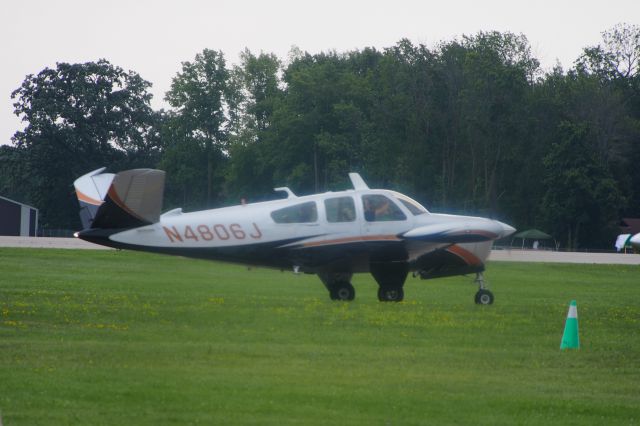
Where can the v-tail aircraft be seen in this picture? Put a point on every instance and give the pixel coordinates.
(333, 234)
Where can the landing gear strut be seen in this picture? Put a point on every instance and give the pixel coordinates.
(483, 296)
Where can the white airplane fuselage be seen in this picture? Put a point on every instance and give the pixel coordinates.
(334, 235)
(247, 234)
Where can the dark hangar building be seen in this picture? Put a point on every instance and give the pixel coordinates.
(17, 219)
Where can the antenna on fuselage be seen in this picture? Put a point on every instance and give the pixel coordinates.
(286, 189)
(357, 181)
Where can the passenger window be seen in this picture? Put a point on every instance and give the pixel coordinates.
(301, 213)
(378, 208)
(341, 209)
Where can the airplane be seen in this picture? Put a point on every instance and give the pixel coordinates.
(333, 234)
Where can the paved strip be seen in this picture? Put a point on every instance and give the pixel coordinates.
(498, 255)
(564, 257)
(49, 242)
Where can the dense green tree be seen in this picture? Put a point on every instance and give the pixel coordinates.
(185, 162)
(12, 174)
(315, 127)
(200, 96)
(394, 112)
(79, 117)
(582, 200)
(544, 109)
(259, 81)
(613, 70)
(470, 125)
(257, 85)
(498, 69)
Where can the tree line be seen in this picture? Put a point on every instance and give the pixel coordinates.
(472, 125)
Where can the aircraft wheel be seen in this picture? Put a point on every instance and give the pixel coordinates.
(390, 294)
(484, 297)
(342, 291)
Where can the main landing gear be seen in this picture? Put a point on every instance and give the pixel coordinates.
(390, 276)
(339, 286)
(390, 294)
(342, 291)
(483, 296)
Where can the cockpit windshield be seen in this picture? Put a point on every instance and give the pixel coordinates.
(412, 205)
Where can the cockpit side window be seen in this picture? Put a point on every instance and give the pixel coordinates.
(340, 209)
(378, 208)
(300, 213)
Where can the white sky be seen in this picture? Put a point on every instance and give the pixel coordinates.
(153, 37)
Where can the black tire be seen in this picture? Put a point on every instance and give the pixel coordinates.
(342, 291)
(484, 297)
(390, 294)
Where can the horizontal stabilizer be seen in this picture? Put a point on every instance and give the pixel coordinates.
(128, 199)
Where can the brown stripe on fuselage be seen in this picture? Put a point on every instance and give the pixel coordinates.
(347, 240)
(83, 197)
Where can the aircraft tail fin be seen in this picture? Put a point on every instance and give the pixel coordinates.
(125, 200)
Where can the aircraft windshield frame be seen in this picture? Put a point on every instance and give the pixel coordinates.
(412, 205)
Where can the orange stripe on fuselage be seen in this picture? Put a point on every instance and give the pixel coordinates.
(470, 258)
(352, 240)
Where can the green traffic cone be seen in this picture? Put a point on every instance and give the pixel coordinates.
(570, 338)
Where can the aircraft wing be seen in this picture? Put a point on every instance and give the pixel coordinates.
(468, 231)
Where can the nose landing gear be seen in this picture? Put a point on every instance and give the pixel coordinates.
(483, 296)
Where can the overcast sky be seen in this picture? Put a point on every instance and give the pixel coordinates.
(152, 37)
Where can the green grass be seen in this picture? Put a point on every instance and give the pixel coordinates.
(109, 337)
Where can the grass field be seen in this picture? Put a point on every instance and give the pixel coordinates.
(110, 337)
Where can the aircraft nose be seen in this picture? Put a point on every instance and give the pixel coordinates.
(506, 229)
